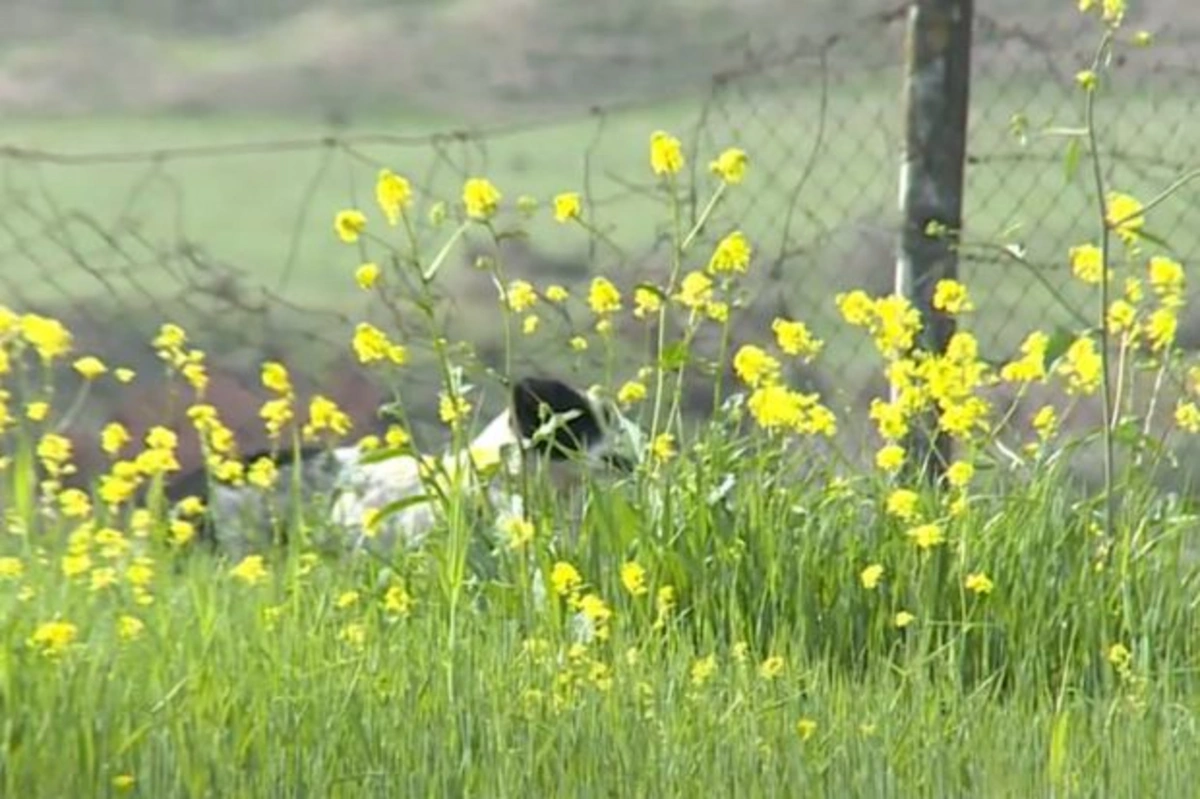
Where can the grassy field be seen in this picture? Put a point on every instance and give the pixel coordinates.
(746, 615)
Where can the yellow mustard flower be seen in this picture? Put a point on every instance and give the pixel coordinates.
(666, 153)
(646, 301)
(250, 570)
(952, 297)
(567, 206)
(871, 575)
(732, 254)
(349, 225)
(480, 198)
(49, 337)
(631, 392)
(663, 447)
(979, 583)
(90, 367)
(754, 366)
(730, 165)
(926, 536)
(794, 338)
(633, 577)
(603, 296)
(393, 194)
(52, 638)
(367, 275)
(564, 578)
(521, 296)
(1125, 216)
(1087, 263)
(695, 290)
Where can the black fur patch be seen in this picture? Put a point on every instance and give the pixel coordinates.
(532, 395)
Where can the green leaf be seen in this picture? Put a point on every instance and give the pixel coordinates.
(674, 357)
(401, 504)
(1060, 341)
(1071, 161)
(1057, 763)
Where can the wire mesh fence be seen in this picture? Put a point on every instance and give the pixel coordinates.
(231, 237)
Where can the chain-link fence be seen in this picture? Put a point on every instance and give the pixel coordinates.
(232, 237)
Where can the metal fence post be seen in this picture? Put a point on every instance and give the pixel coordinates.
(937, 79)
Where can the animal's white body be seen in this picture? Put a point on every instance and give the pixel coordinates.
(350, 486)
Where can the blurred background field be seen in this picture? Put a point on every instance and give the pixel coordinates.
(183, 161)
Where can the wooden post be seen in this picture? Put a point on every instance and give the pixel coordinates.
(937, 78)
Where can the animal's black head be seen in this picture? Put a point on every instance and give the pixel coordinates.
(579, 428)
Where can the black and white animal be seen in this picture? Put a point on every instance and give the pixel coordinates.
(550, 431)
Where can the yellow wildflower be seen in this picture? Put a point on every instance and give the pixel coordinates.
(730, 165)
(371, 344)
(367, 275)
(251, 570)
(603, 297)
(567, 206)
(890, 458)
(262, 473)
(959, 473)
(666, 153)
(452, 409)
(275, 378)
(113, 438)
(393, 193)
(703, 669)
(979, 583)
(633, 577)
(481, 198)
(772, 667)
(11, 568)
(903, 618)
(47, 336)
(646, 301)
(53, 637)
(902, 503)
(794, 338)
(349, 225)
(732, 254)
(694, 290)
(397, 601)
(1081, 366)
(521, 296)
(631, 392)
(325, 415)
(90, 367)
(1125, 216)
(871, 575)
(1161, 328)
(754, 366)
(130, 627)
(926, 536)
(952, 297)
(1165, 276)
(520, 531)
(564, 578)
(1087, 263)
(663, 447)
(1187, 416)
